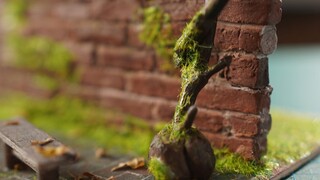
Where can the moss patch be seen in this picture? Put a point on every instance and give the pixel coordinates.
(82, 121)
(46, 57)
(157, 33)
(15, 11)
(159, 170)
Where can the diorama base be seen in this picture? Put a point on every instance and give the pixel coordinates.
(293, 141)
(91, 167)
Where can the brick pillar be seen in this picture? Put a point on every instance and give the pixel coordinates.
(237, 103)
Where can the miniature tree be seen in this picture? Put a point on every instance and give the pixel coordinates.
(180, 151)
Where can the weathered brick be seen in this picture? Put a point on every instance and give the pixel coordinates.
(84, 53)
(247, 70)
(115, 10)
(209, 121)
(20, 80)
(49, 27)
(126, 102)
(249, 148)
(154, 85)
(177, 28)
(181, 11)
(125, 58)
(242, 125)
(103, 77)
(164, 110)
(100, 31)
(133, 35)
(225, 97)
(70, 10)
(262, 12)
(87, 93)
(233, 123)
(249, 38)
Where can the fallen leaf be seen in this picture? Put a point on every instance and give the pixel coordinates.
(41, 143)
(49, 151)
(91, 176)
(111, 178)
(100, 153)
(12, 123)
(133, 164)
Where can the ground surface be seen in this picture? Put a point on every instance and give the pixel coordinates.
(292, 137)
(101, 168)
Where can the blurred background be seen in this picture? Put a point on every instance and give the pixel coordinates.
(294, 66)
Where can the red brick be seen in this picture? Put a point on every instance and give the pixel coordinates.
(243, 125)
(166, 66)
(103, 32)
(133, 35)
(21, 80)
(87, 93)
(225, 97)
(154, 85)
(71, 10)
(209, 121)
(103, 77)
(181, 11)
(126, 102)
(115, 10)
(82, 52)
(177, 28)
(249, 148)
(262, 12)
(125, 58)
(164, 110)
(233, 123)
(248, 70)
(249, 38)
(49, 27)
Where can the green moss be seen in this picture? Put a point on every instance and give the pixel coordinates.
(82, 121)
(47, 58)
(159, 170)
(230, 163)
(40, 54)
(157, 33)
(188, 58)
(15, 11)
(186, 50)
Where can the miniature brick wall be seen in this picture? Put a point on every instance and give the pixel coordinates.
(121, 73)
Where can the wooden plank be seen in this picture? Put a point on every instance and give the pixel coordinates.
(18, 134)
(288, 170)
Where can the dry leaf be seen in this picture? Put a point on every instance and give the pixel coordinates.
(133, 164)
(12, 123)
(111, 178)
(49, 151)
(41, 143)
(100, 153)
(91, 176)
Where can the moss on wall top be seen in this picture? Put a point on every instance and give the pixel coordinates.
(157, 33)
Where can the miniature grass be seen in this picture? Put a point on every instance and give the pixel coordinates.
(291, 138)
(81, 121)
(159, 170)
(157, 33)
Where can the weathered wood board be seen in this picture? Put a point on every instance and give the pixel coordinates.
(18, 136)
